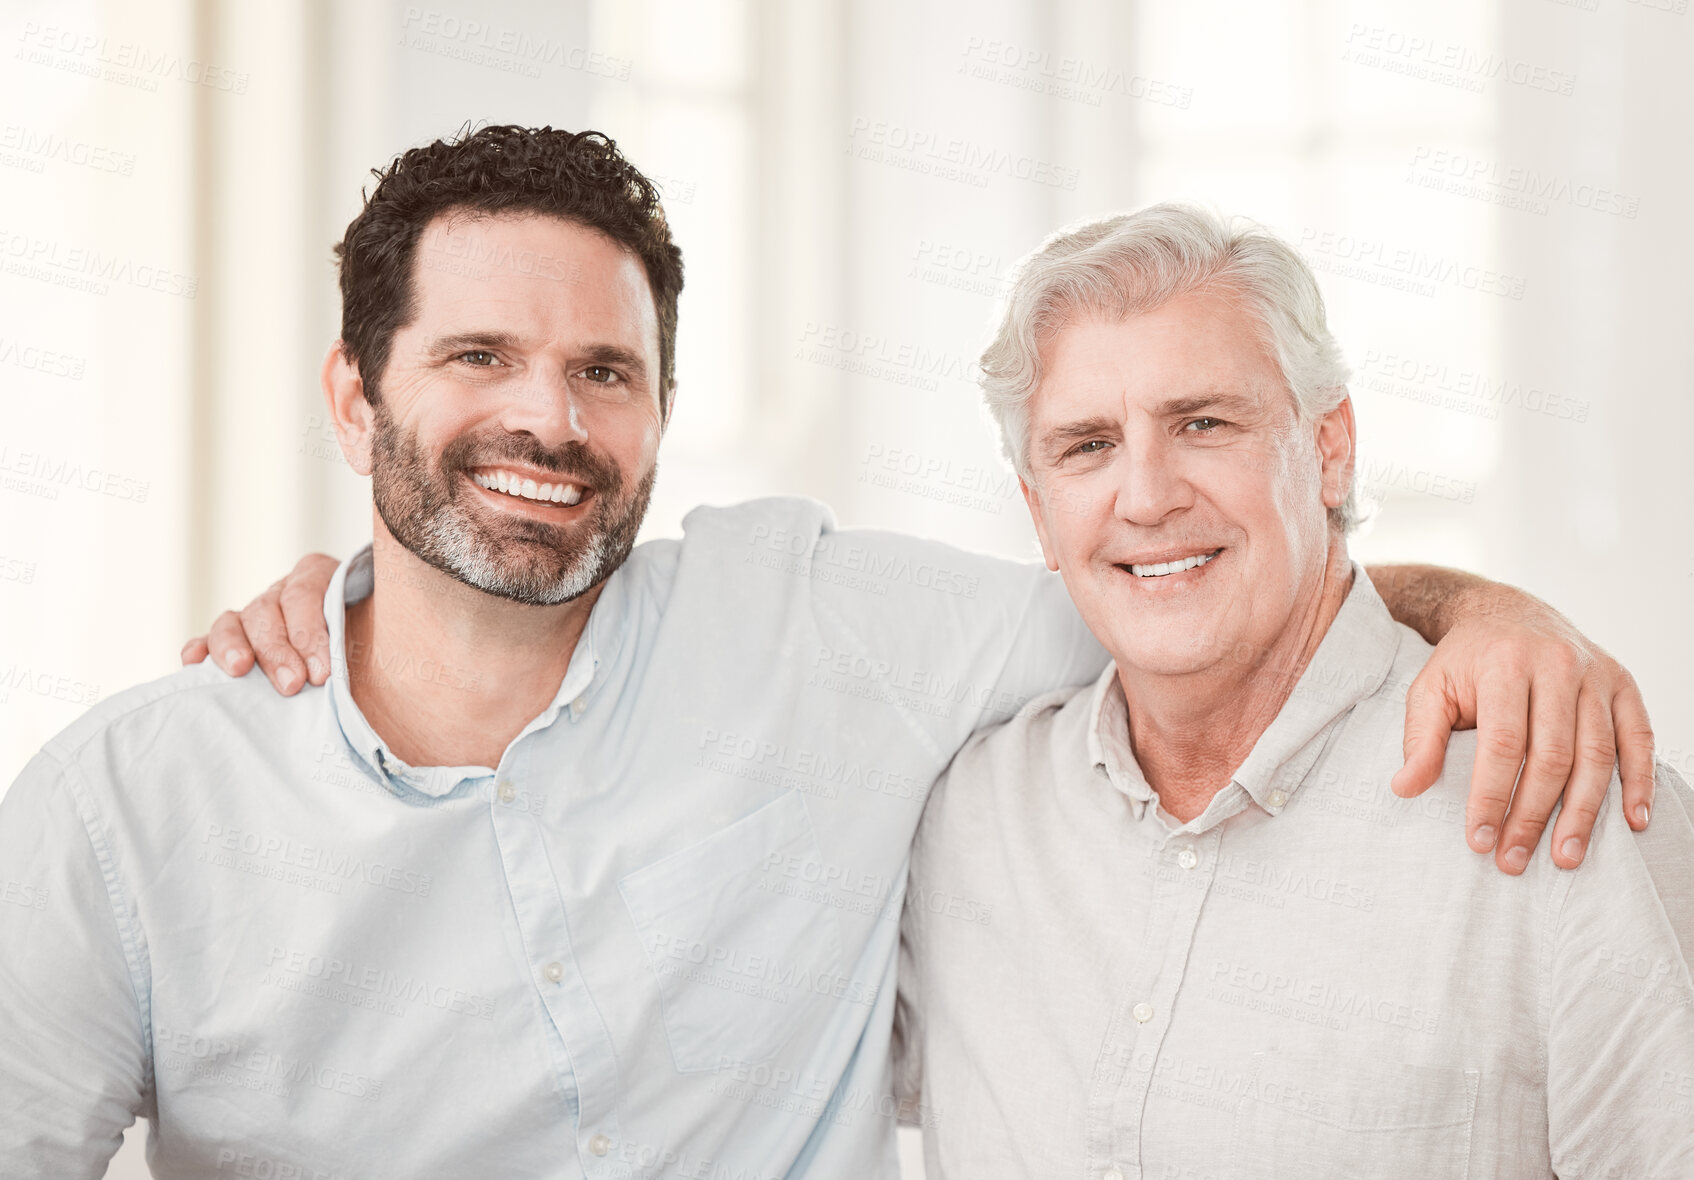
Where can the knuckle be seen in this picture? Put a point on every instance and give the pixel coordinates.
(1561, 662)
(1584, 808)
(1597, 750)
(1551, 756)
(1638, 730)
(1513, 655)
(273, 655)
(1502, 742)
(1526, 821)
(1486, 809)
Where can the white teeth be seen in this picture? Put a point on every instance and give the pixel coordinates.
(1159, 569)
(527, 489)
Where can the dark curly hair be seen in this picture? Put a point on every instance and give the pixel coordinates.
(579, 176)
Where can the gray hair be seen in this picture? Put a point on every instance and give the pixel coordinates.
(1135, 262)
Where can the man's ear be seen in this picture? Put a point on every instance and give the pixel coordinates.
(1337, 439)
(352, 413)
(669, 402)
(1032, 499)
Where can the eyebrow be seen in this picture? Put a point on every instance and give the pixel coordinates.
(466, 341)
(1057, 438)
(1232, 404)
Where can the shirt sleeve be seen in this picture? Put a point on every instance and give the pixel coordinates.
(1050, 649)
(996, 632)
(1620, 1057)
(73, 1057)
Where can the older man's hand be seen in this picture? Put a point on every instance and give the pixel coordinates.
(283, 629)
(1545, 702)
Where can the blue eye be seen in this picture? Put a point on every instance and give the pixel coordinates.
(1091, 447)
(1205, 424)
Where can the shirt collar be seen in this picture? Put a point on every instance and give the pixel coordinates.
(1351, 662)
(1108, 740)
(354, 580)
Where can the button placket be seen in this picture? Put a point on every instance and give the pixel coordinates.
(1179, 900)
(581, 1043)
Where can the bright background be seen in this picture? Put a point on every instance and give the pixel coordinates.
(1494, 193)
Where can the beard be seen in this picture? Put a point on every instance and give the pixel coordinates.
(430, 509)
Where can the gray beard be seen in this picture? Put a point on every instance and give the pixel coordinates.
(522, 560)
(468, 558)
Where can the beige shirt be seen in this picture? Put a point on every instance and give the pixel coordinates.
(1312, 978)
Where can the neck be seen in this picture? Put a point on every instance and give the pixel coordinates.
(1191, 731)
(446, 674)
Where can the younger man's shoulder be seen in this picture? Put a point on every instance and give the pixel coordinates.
(198, 688)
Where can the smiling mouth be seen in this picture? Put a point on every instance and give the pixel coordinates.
(1163, 569)
(523, 488)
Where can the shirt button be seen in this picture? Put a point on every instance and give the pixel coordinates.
(599, 1145)
(1142, 1012)
(507, 792)
(1113, 1174)
(1277, 798)
(554, 972)
(1187, 859)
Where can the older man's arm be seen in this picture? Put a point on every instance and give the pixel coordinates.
(1544, 701)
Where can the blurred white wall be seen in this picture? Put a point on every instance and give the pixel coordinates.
(1493, 195)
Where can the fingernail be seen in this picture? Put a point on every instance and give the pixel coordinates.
(1483, 838)
(229, 666)
(288, 679)
(1517, 858)
(1641, 814)
(315, 667)
(1572, 848)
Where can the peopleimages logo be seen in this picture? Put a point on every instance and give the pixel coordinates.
(1513, 186)
(478, 42)
(949, 157)
(1064, 76)
(53, 472)
(1435, 60)
(33, 148)
(1403, 267)
(86, 268)
(126, 62)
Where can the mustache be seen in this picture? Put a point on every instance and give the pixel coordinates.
(572, 460)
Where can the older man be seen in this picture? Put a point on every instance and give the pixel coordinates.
(1217, 945)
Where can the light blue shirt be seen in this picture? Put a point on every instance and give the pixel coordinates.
(658, 940)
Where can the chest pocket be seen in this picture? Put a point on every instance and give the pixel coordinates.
(1334, 1116)
(746, 964)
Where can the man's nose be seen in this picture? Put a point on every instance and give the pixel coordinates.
(546, 406)
(1150, 482)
